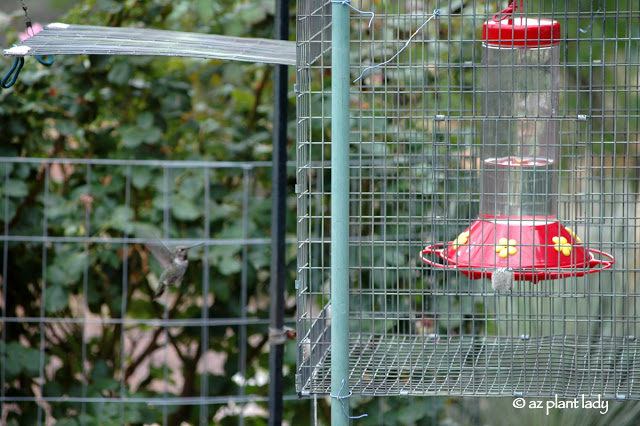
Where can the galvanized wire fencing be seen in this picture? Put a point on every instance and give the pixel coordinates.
(423, 172)
(82, 337)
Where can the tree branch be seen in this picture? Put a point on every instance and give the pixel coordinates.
(152, 346)
(253, 114)
(188, 389)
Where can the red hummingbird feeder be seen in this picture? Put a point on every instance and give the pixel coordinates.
(518, 228)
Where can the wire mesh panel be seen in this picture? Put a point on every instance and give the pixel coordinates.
(82, 335)
(424, 173)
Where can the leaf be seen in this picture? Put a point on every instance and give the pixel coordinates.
(106, 384)
(145, 121)
(204, 9)
(221, 211)
(141, 177)
(133, 414)
(232, 232)
(109, 6)
(55, 299)
(31, 361)
(252, 15)
(120, 217)
(20, 359)
(58, 208)
(222, 291)
(175, 103)
(11, 358)
(120, 73)
(74, 265)
(153, 135)
(229, 265)
(66, 127)
(210, 126)
(217, 252)
(12, 210)
(139, 308)
(183, 209)
(261, 259)
(16, 188)
(56, 275)
(158, 202)
(191, 187)
(244, 98)
(131, 136)
(146, 230)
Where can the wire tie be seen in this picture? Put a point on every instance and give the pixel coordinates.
(12, 76)
(47, 61)
(435, 13)
(508, 12)
(342, 398)
(348, 3)
(18, 63)
(593, 17)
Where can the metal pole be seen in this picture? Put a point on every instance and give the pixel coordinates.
(278, 217)
(339, 210)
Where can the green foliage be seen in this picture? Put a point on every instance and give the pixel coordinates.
(19, 360)
(135, 108)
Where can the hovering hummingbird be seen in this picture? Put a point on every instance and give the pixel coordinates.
(279, 336)
(174, 264)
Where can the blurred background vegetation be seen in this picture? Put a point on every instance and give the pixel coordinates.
(139, 108)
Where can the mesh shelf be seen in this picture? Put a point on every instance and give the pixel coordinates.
(491, 366)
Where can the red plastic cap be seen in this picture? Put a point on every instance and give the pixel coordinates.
(524, 32)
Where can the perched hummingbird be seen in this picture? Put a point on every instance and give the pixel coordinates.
(174, 264)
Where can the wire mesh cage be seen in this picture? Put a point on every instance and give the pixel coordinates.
(545, 311)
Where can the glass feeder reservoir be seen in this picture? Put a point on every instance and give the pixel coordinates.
(520, 136)
(517, 228)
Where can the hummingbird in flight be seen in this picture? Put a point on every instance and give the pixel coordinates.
(279, 336)
(174, 264)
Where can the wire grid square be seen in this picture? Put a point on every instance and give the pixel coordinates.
(416, 147)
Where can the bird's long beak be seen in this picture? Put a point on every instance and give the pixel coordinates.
(195, 245)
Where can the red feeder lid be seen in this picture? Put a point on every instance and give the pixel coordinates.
(523, 32)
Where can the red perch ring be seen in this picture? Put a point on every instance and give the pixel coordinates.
(534, 250)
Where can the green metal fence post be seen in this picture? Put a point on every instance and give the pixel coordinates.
(339, 210)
